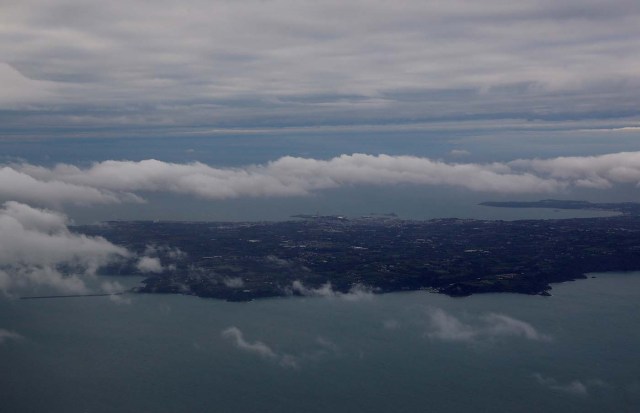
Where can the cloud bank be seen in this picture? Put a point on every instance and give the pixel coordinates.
(38, 249)
(446, 327)
(289, 62)
(126, 181)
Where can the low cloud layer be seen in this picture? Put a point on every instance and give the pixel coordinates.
(356, 293)
(446, 327)
(127, 181)
(38, 249)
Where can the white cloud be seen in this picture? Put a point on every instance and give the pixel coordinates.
(149, 264)
(601, 171)
(6, 335)
(446, 327)
(119, 181)
(35, 244)
(233, 282)
(20, 186)
(235, 335)
(356, 293)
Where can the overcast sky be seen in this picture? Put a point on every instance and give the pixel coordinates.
(74, 65)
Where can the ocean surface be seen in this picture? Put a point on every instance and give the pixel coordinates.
(576, 351)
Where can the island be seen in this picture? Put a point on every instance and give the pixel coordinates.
(313, 254)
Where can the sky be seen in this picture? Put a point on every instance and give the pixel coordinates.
(86, 69)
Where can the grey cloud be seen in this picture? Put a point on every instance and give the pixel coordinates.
(6, 335)
(119, 181)
(246, 62)
(588, 171)
(235, 335)
(21, 186)
(446, 327)
(319, 350)
(35, 243)
(575, 387)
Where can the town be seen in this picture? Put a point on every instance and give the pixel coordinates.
(242, 261)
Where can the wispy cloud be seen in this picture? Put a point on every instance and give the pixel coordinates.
(125, 181)
(319, 350)
(574, 387)
(235, 335)
(444, 326)
(6, 335)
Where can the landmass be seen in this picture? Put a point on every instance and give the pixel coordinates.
(625, 208)
(312, 255)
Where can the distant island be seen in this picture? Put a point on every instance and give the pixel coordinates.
(242, 261)
(626, 208)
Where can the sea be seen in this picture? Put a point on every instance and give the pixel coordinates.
(575, 351)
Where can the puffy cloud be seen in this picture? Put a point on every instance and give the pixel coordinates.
(356, 293)
(601, 171)
(119, 181)
(447, 327)
(149, 264)
(37, 248)
(21, 186)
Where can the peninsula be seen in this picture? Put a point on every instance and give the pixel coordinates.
(242, 261)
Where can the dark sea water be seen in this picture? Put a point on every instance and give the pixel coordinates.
(576, 351)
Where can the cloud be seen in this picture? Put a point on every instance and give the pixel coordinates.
(233, 282)
(601, 171)
(21, 186)
(258, 348)
(446, 327)
(356, 293)
(6, 335)
(288, 62)
(459, 153)
(125, 181)
(38, 249)
(18, 90)
(575, 387)
(149, 264)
